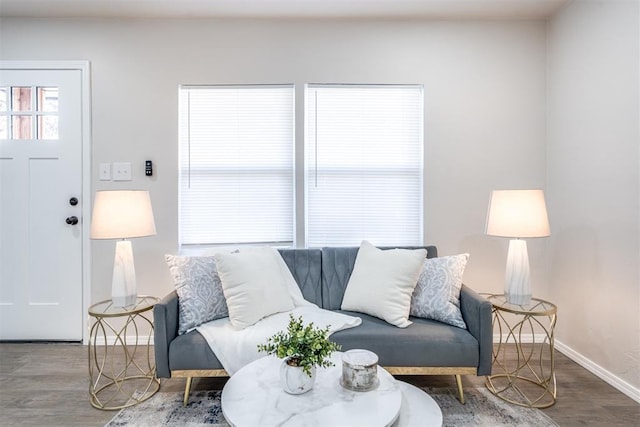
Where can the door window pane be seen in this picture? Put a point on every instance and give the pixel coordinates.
(47, 127)
(21, 99)
(4, 131)
(3, 99)
(48, 99)
(21, 127)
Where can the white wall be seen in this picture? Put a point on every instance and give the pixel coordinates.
(484, 116)
(593, 160)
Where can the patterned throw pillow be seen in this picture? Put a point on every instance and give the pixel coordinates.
(437, 295)
(199, 289)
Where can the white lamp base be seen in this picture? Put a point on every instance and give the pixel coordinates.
(123, 287)
(518, 277)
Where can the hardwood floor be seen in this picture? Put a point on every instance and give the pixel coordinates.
(47, 385)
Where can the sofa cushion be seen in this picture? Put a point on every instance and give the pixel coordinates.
(440, 344)
(437, 295)
(191, 351)
(254, 284)
(199, 290)
(382, 283)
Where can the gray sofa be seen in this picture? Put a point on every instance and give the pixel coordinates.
(426, 347)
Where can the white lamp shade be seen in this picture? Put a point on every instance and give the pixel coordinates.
(122, 214)
(517, 213)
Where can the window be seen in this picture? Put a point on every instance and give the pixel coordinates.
(28, 112)
(236, 164)
(363, 165)
(363, 173)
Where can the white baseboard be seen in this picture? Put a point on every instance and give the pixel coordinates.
(130, 340)
(597, 370)
(524, 338)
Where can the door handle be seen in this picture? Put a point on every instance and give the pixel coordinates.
(72, 220)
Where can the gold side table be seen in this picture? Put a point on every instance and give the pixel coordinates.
(530, 380)
(122, 373)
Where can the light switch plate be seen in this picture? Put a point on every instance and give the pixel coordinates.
(105, 171)
(122, 171)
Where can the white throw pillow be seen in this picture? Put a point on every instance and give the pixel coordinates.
(253, 285)
(437, 295)
(382, 282)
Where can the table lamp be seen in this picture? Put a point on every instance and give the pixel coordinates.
(122, 215)
(517, 214)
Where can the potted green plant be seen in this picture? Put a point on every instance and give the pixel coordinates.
(302, 348)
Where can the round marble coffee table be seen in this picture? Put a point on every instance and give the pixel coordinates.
(253, 396)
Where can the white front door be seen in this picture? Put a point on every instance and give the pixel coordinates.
(41, 287)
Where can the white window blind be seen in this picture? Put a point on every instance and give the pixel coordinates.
(236, 164)
(364, 164)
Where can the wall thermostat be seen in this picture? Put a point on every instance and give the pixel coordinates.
(148, 168)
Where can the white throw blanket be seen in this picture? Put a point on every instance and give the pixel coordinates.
(236, 348)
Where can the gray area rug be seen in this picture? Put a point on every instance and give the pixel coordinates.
(481, 409)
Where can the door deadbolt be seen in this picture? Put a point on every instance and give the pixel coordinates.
(73, 201)
(72, 220)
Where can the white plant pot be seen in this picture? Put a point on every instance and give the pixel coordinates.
(294, 380)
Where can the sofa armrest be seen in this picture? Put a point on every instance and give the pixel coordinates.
(165, 330)
(476, 312)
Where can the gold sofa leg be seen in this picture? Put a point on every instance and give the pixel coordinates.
(460, 391)
(187, 390)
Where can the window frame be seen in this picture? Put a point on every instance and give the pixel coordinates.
(299, 168)
(420, 201)
(191, 247)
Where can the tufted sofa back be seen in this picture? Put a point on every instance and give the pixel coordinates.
(306, 268)
(323, 274)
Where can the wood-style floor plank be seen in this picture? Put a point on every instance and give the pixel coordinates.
(48, 385)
